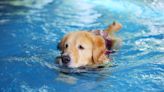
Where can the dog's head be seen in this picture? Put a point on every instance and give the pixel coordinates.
(82, 48)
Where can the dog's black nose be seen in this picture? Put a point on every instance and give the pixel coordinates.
(66, 59)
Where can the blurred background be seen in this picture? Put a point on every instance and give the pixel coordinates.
(31, 29)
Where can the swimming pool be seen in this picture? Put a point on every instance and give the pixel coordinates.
(30, 31)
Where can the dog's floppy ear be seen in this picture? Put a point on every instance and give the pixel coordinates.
(61, 43)
(99, 48)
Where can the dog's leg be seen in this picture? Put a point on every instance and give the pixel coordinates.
(111, 30)
(114, 27)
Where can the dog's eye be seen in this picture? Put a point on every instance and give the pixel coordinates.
(81, 47)
(66, 45)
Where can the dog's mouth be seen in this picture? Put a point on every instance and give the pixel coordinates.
(64, 68)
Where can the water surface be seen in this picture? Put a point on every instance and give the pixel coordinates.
(30, 31)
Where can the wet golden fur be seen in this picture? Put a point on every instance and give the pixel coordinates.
(86, 48)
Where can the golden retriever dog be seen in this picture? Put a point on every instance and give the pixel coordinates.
(88, 48)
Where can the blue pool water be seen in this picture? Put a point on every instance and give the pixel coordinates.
(31, 29)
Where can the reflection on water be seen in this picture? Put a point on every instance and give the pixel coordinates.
(31, 30)
(28, 3)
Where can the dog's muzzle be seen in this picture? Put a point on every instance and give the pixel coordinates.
(63, 60)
